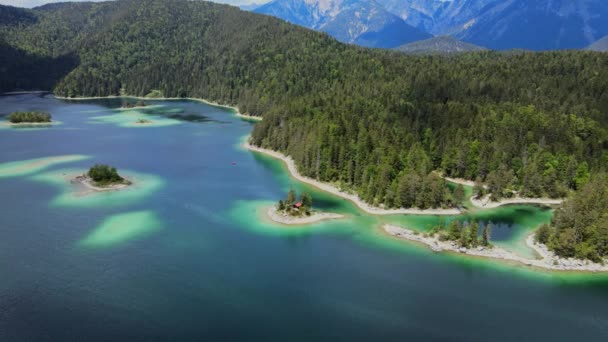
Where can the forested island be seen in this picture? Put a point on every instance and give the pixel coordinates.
(377, 123)
(29, 117)
(293, 210)
(293, 207)
(102, 177)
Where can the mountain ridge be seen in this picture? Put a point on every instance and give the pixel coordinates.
(601, 45)
(362, 22)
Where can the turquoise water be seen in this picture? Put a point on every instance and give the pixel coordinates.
(187, 254)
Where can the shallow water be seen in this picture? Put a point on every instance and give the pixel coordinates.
(189, 255)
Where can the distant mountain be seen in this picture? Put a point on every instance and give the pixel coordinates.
(362, 22)
(422, 14)
(250, 7)
(538, 25)
(508, 24)
(439, 45)
(11, 16)
(600, 45)
(439, 17)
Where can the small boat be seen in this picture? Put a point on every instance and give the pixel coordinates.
(233, 163)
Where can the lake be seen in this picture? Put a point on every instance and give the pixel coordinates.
(187, 254)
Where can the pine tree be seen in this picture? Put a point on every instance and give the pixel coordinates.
(464, 237)
(454, 230)
(543, 234)
(291, 198)
(485, 235)
(306, 200)
(473, 233)
(459, 195)
(479, 190)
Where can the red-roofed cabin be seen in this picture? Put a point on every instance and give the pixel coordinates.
(298, 205)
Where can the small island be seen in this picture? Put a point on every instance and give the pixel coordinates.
(102, 177)
(138, 104)
(29, 118)
(293, 211)
(143, 121)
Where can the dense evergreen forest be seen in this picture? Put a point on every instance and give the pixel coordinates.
(373, 121)
(580, 228)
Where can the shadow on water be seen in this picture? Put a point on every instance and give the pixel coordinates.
(195, 118)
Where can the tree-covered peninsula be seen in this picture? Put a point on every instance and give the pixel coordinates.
(579, 228)
(376, 122)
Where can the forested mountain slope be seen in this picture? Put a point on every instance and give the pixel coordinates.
(377, 122)
(439, 45)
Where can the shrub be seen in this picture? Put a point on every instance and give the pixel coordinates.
(543, 234)
(104, 174)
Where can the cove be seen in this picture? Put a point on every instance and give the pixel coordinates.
(200, 264)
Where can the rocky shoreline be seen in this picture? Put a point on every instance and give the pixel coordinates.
(316, 216)
(547, 259)
(248, 117)
(87, 182)
(291, 166)
(485, 202)
(29, 124)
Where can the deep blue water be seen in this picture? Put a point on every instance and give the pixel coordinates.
(213, 271)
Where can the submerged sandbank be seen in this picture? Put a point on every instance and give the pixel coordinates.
(133, 118)
(236, 110)
(300, 220)
(337, 192)
(147, 98)
(30, 166)
(76, 194)
(547, 259)
(121, 228)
